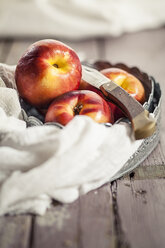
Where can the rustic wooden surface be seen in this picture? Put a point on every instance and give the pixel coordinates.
(128, 213)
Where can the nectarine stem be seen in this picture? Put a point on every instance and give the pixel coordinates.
(55, 65)
(77, 109)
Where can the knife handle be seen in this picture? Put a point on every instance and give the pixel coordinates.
(143, 125)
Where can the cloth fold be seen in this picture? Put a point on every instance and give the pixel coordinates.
(41, 163)
(74, 19)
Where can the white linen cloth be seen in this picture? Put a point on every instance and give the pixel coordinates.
(75, 19)
(41, 163)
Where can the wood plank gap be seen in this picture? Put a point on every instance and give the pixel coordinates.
(79, 230)
(57, 228)
(15, 231)
(153, 167)
(96, 219)
(32, 229)
(141, 209)
(121, 241)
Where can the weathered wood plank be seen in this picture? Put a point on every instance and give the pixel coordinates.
(158, 157)
(149, 172)
(85, 49)
(92, 212)
(121, 240)
(57, 228)
(18, 47)
(15, 231)
(96, 219)
(144, 49)
(88, 222)
(152, 167)
(141, 209)
(5, 46)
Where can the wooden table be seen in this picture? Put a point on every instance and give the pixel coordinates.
(129, 212)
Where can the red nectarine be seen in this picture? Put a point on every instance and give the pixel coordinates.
(80, 102)
(127, 81)
(48, 69)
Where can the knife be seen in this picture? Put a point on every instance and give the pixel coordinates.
(142, 123)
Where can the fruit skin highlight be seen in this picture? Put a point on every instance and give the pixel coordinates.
(80, 102)
(127, 81)
(48, 69)
(116, 111)
(124, 79)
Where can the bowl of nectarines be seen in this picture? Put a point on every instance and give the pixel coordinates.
(49, 82)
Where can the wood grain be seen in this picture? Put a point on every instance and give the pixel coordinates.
(57, 228)
(86, 223)
(144, 49)
(15, 231)
(157, 159)
(152, 167)
(141, 208)
(96, 219)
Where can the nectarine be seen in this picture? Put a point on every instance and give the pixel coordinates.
(48, 69)
(127, 81)
(80, 102)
